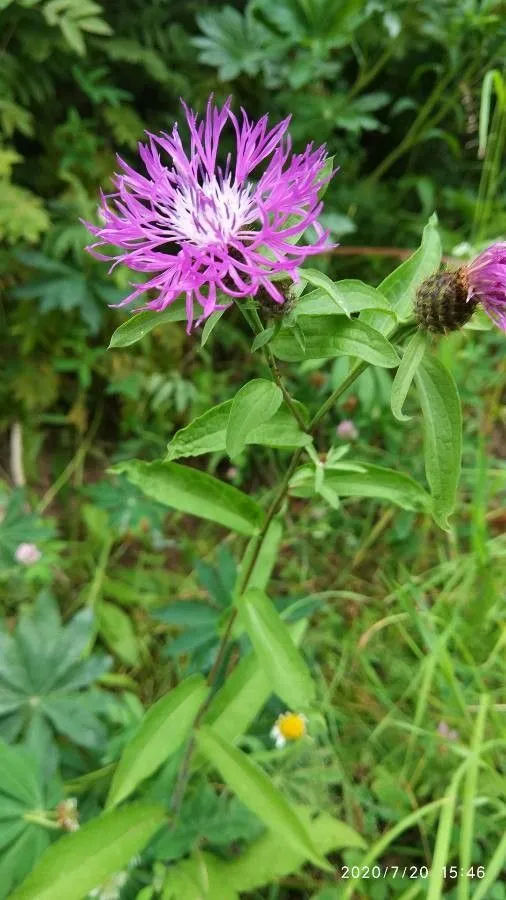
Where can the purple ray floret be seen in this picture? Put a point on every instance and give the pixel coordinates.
(486, 279)
(212, 229)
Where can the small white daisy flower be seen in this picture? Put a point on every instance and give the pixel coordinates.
(289, 726)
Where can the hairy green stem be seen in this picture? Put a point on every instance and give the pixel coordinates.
(246, 573)
(276, 374)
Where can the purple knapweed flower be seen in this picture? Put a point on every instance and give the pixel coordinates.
(203, 230)
(486, 281)
(447, 300)
(27, 554)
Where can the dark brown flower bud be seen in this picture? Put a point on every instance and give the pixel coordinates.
(443, 302)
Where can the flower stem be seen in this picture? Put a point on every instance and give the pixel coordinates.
(282, 491)
(270, 359)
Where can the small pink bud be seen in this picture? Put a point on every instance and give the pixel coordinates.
(347, 431)
(27, 554)
(232, 473)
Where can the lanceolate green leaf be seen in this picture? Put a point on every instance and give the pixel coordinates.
(328, 336)
(252, 406)
(374, 481)
(80, 862)
(267, 860)
(401, 285)
(413, 355)
(195, 492)
(355, 294)
(244, 694)
(207, 433)
(142, 323)
(257, 792)
(162, 731)
(329, 288)
(281, 661)
(210, 325)
(442, 418)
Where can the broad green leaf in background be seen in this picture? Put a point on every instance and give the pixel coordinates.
(252, 406)
(401, 285)
(373, 481)
(161, 732)
(207, 433)
(117, 630)
(328, 336)
(252, 786)
(442, 421)
(81, 861)
(267, 859)
(44, 671)
(142, 323)
(22, 791)
(285, 668)
(355, 294)
(195, 492)
(412, 356)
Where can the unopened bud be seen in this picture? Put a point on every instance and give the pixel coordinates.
(443, 302)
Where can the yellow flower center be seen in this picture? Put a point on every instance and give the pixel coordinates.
(292, 726)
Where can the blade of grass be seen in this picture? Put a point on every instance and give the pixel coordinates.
(494, 869)
(443, 838)
(385, 841)
(469, 795)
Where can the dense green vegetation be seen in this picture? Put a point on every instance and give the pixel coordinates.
(117, 601)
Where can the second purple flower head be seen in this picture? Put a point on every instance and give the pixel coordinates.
(200, 224)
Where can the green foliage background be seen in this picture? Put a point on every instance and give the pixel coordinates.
(406, 621)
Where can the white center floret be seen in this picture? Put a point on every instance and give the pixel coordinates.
(213, 212)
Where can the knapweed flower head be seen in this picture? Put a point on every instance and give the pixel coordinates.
(486, 282)
(27, 554)
(210, 226)
(289, 726)
(447, 300)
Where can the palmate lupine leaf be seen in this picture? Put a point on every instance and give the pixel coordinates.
(23, 789)
(44, 677)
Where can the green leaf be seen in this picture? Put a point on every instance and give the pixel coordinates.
(281, 661)
(267, 859)
(328, 336)
(142, 323)
(195, 492)
(256, 791)
(244, 694)
(252, 406)
(265, 336)
(355, 294)
(81, 861)
(329, 288)
(162, 731)
(442, 418)
(401, 285)
(373, 481)
(207, 433)
(116, 629)
(411, 359)
(210, 325)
